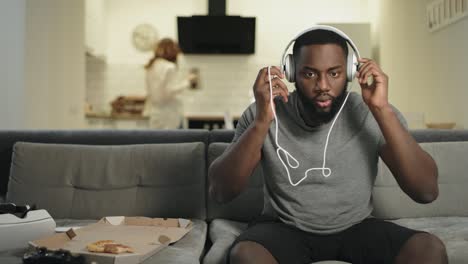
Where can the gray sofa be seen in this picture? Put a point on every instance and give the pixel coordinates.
(80, 176)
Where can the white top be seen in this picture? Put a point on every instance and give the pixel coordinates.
(163, 86)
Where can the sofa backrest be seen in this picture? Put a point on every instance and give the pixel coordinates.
(448, 148)
(90, 182)
(450, 157)
(89, 137)
(178, 178)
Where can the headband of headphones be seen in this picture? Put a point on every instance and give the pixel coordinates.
(287, 63)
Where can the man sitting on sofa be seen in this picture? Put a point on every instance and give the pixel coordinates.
(324, 213)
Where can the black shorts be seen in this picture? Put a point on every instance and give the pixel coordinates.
(371, 241)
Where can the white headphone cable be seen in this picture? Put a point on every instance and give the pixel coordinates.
(287, 154)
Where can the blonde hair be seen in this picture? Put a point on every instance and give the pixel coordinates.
(167, 49)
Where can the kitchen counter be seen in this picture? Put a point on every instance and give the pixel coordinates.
(130, 121)
(116, 121)
(116, 116)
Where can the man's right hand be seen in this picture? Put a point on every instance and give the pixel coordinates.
(261, 90)
(229, 174)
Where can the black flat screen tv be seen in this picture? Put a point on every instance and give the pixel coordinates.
(216, 34)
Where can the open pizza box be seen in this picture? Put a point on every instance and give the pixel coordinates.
(145, 236)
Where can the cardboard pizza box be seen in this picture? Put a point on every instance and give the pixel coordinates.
(145, 235)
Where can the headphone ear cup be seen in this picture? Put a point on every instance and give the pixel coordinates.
(289, 68)
(351, 67)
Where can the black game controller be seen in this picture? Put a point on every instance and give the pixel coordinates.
(19, 210)
(44, 256)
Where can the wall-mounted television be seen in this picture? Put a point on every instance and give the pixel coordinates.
(216, 34)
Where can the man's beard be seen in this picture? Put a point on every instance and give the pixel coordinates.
(311, 110)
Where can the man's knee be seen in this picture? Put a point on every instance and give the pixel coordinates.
(431, 243)
(425, 245)
(250, 252)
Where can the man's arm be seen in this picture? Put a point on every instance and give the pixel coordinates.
(413, 168)
(230, 172)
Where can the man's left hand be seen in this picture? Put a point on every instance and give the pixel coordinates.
(375, 94)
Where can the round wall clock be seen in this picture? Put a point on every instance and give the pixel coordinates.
(144, 37)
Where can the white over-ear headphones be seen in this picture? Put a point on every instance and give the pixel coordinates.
(287, 60)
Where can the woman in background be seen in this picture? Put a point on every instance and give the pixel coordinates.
(164, 85)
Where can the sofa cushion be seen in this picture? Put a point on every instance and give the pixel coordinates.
(187, 250)
(222, 234)
(90, 137)
(90, 182)
(245, 206)
(391, 203)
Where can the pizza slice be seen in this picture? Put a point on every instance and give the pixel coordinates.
(108, 246)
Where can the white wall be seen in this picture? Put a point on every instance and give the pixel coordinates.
(123, 16)
(54, 64)
(226, 80)
(428, 71)
(12, 34)
(42, 66)
(277, 22)
(95, 27)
